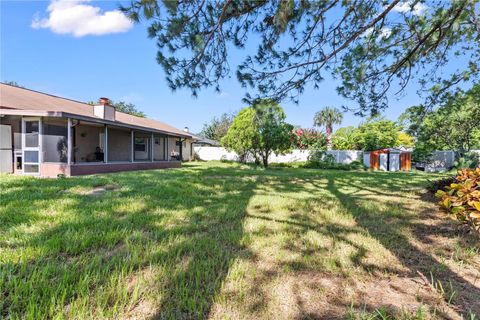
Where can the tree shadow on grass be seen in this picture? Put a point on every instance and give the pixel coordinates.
(390, 235)
(380, 214)
(186, 225)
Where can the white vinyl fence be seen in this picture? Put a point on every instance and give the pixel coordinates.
(297, 155)
(440, 160)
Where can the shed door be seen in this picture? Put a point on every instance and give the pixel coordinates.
(383, 159)
(6, 154)
(406, 161)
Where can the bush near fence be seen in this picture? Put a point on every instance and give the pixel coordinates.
(439, 160)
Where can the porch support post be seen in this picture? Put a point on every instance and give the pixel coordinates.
(132, 145)
(181, 148)
(152, 144)
(69, 141)
(168, 152)
(105, 152)
(40, 141)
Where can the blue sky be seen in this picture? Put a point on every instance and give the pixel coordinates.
(122, 66)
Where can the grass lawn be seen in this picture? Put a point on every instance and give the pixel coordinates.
(225, 241)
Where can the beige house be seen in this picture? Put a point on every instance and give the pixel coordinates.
(46, 135)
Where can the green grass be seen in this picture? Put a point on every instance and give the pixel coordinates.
(226, 241)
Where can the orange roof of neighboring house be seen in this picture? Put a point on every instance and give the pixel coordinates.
(12, 97)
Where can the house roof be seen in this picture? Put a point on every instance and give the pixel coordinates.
(206, 141)
(16, 98)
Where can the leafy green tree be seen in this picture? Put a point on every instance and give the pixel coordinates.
(405, 140)
(217, 128)
(124, 107)
(374, 47)
(453, 126)
(345, 139)
(259, 130)
(327, 117)
(243, 135)
(377, 133)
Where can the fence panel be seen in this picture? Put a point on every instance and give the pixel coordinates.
(440, 161)
(297, 155)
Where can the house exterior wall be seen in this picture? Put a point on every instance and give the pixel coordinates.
(53, 170)
(172, 146)
(187, 152)
(87, 139)
(16, 124)
(84, 169)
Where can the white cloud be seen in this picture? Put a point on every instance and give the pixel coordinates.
(406, 7)
(79, 18)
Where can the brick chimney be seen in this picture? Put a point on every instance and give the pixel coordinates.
(104, 110)
(104, 101)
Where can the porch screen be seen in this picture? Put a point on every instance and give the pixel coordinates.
(119, 144)
(142, 146)
(54, 140)
(159, 153)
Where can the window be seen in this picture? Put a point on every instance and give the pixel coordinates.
(141, 144)
(142, 147)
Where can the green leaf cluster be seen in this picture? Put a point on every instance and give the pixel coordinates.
(375, 133)
(455, 125)
(259, 131)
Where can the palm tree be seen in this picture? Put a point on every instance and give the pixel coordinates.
(327, 117)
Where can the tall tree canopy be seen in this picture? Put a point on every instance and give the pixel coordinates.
(375, 133)
(217, 128)
(374, 47)
(345, 139)
(327, 117)
(455, 125)
(259, 130)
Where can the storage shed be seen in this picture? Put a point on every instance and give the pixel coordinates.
(389, 159)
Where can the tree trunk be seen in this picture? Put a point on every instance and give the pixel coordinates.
(265, 158)
(329, 137)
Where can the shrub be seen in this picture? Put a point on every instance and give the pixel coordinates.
(440, 184)
(469, 160)
(321, 160)
(462, 198)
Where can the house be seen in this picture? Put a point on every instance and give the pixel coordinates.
(47, 135)
(388, 159)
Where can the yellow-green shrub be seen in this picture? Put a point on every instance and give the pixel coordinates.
(462, 198)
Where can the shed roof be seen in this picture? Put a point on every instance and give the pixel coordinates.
(16, 98)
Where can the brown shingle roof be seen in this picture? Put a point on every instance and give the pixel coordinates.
(12, 97)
